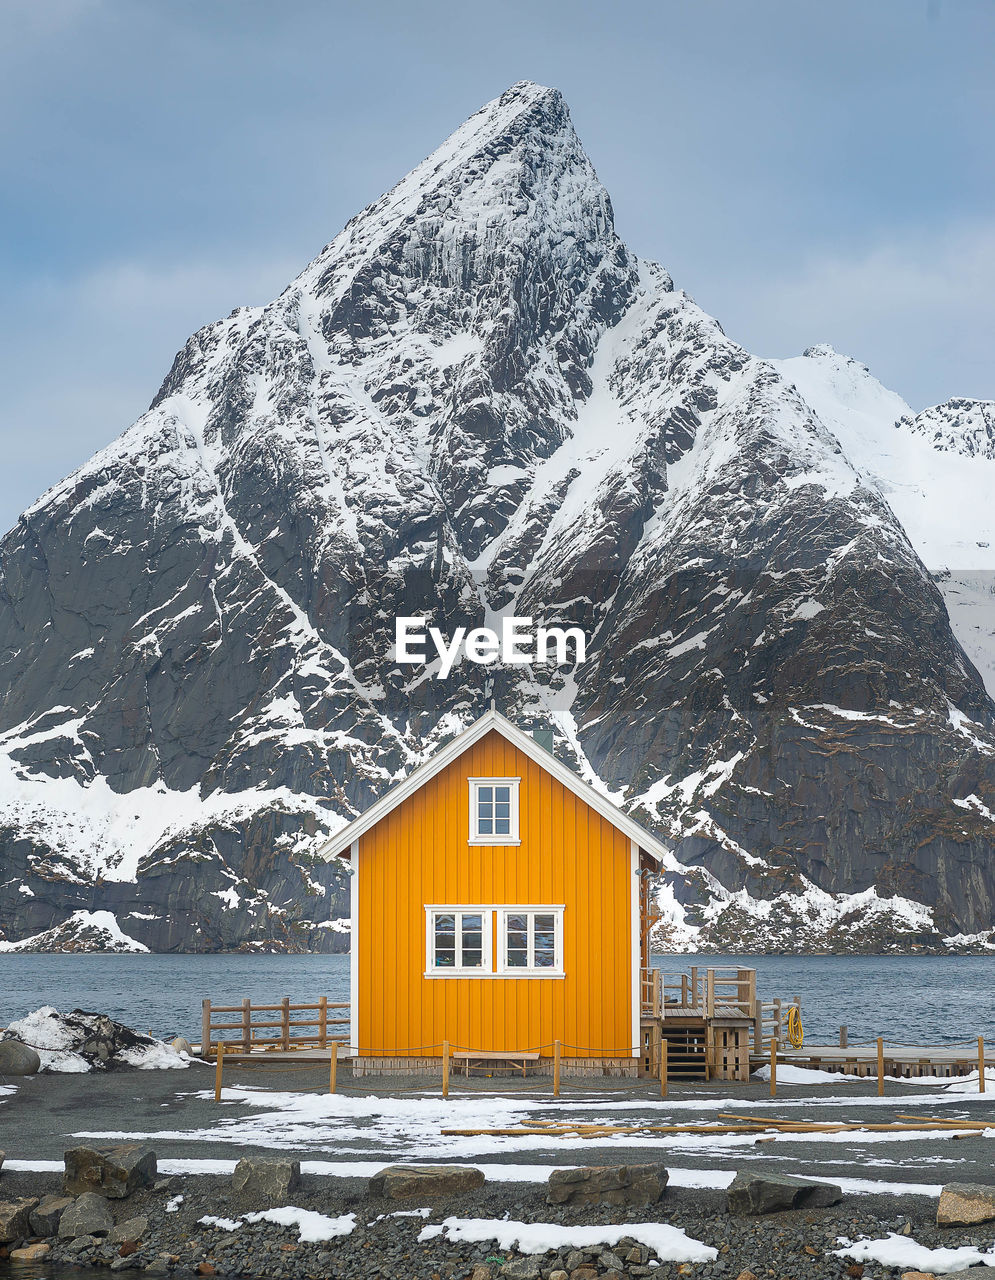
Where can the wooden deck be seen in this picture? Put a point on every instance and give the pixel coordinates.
(905, 1061)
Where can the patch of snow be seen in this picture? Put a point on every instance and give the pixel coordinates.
(99, 929)
(670, 1244)
(311, 1227)
(902, 1251)
(789, 1074)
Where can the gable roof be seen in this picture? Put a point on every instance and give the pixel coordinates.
(493, 721)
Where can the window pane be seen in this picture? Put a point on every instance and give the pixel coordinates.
(545, 951)
(485, 794)
(518, 959)
(472, 959)
(485, 827)
(445, 940)
(545, 922)
(502, 795)
(502, 810)
(518, 921)
(502, 826)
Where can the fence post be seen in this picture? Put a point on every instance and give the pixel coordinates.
(246, 1025)
(323, 1022)
(880, 1066)
(778, 1029)
(285, 1022)
(663, 1066)
(218, 1071)
(205, 1030)
(333, 1067)
(710, 993)
(773, 1066)
(445, 1068)
(843, 1036)
(556, 1068)
(981, 1064)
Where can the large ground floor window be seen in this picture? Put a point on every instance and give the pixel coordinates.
(494, 941)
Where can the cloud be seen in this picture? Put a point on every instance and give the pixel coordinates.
(919, 309)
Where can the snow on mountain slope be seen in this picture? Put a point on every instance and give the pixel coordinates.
(475, 401)
(936, 470)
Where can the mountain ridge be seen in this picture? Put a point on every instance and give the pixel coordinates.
(476, 400)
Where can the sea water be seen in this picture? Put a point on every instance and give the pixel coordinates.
(912, 999)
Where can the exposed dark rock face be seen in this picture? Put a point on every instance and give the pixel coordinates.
(476, 400)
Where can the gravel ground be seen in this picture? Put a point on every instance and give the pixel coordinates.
(785, 1246)
(39, 1120)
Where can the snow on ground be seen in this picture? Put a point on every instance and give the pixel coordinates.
(311, 1227)
(903, 1251)
(788, 1074)
(711, 1179)
(670, 1244)
(363, 1134)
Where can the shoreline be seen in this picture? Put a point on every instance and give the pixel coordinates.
(383, 1239)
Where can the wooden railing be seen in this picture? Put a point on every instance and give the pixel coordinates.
(316, 1030)
(716, 992)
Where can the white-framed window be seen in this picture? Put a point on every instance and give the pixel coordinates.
(494, 811)
(530, 941)
(458, 941)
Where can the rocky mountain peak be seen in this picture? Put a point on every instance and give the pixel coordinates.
(959, 426)
(476, 400)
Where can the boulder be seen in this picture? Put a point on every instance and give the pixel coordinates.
(528, 1268)
(133, 1229)
(89, 1215)
(403, 1181)
(30, 1252)
(15, 1217)
(773, 1192)
(266, 1179)
(965, 1204)
(46, 1217)
(18, 1059)
(112, 1171)
(616, 1184)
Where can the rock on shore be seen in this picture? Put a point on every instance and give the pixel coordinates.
(339, 1229)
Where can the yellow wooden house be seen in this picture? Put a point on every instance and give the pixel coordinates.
(499, 904)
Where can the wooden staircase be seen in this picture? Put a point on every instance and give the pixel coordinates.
(686, 1050)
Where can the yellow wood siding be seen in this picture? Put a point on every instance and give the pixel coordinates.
(419, 854)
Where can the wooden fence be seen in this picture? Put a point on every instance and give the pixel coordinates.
(281, 1026)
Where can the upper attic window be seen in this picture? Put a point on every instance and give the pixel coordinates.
(494, 811)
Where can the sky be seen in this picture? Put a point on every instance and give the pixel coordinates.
(808, 171)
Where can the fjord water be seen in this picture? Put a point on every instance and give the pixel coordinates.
(912, 999)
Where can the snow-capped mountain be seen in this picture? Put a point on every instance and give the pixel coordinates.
(477, 401)
(935, 469)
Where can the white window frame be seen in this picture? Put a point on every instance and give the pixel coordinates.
(505, 970)
(486, 967)
(514, 835)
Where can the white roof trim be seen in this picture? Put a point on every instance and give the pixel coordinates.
(528, 746)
